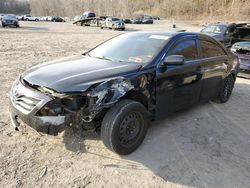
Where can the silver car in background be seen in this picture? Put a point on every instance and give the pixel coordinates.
(113, 23)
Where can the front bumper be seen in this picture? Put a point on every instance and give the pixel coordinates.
(119, 27)
(24, 105)
(10, 23)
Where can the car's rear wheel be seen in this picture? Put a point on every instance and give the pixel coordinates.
(226, 89)
(124, 126)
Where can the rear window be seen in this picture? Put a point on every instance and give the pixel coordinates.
(115, 19)
(210, 49)
(91, 15)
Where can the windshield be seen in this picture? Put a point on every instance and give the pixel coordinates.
(135, 48)
(115, 19)
(9, 17)
(215, 29)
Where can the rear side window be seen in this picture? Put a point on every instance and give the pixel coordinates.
(210, 49)
(187, 48)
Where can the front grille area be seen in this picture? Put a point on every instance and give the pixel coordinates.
(25, 99)
(25, 103)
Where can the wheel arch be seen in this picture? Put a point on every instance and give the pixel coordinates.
(137, 96)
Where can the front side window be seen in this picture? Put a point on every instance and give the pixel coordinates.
(210, 49)
(187, 48)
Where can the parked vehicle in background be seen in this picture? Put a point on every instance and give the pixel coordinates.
(20, 17)
(88, 14)
(127, 21)
(1, 16)
(156, 17)
(76, 18)
(43, 18)
(136, 21)
(10, 20)
(242, 50)
(142, 21)
(147, 21)
(57, 19)
(228, 33)
(122, 84)
(30, 18)
(113, 23)
(147, 17)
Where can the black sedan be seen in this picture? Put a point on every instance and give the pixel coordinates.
(123, 84)
(10, 20)
(57, 19)
(142, 21)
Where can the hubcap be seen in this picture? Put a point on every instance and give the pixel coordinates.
(130, 129)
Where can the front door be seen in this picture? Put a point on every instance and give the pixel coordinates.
(179, 86)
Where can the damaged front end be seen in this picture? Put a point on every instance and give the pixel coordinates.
(242, 50)
(50, 112)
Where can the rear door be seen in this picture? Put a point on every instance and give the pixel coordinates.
(180, 85)
(216, 66)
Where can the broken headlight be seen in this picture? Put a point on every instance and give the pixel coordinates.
(70, 104)
(52, 108)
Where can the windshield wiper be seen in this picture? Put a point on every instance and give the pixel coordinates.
(103, 57)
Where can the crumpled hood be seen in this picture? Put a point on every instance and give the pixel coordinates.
(76, 74)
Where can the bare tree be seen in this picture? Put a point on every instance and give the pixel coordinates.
(14, 6)
(190, 9)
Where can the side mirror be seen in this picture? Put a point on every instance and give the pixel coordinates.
(174, 60)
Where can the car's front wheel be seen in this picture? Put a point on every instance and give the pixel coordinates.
(124, 126)
(226, 90)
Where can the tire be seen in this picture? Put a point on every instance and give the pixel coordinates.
(226, 90)
(124, 126)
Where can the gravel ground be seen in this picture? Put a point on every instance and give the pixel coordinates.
(206, 146)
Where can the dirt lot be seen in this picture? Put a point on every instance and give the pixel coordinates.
(206, 146)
